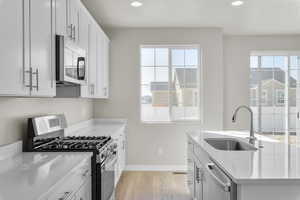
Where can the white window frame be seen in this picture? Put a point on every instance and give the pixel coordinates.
(286, 99)
(199, 84)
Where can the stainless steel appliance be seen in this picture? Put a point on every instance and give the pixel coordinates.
(70, 62)
(216, 184)
(46, 133)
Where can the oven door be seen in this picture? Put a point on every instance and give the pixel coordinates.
(108, 178)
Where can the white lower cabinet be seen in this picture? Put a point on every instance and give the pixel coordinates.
(75, 186)
(84, 192)
(206, 180)
(120, 139)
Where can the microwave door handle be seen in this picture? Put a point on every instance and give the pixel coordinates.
(79, 59)
(212, 167)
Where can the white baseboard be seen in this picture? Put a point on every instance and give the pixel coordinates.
(173, 168)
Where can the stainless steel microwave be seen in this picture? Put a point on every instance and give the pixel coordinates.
(70, 62)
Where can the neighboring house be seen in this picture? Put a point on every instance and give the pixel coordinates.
(184, 93)
(160, 93)
(272, 83)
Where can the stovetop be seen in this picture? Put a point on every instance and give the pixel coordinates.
(72, 143)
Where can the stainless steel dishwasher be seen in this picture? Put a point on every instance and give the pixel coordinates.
(216, 184)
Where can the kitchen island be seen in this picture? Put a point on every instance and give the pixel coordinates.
(269, 172)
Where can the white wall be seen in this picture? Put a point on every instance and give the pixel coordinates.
(15, 111)
(236, 70)
(160, 144)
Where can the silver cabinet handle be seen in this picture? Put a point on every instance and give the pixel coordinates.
(36, 73)
(74, 33)
(70, 27)
(226, 186)
(30, 78)
(198, 174)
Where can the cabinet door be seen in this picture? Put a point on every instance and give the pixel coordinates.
(106, 44)
(85, 192)
(191, 173)
(12, 76)
(41, 46)
(102, 64)
(198, 180)
(73, 18)
(83, 26)
(61, 17)
(92, 62)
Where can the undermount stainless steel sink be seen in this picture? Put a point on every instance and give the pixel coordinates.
(229, 144)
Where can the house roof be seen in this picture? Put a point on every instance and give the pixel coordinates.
(190, 74)
(264, 74)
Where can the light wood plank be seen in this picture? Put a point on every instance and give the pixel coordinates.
(152, 186)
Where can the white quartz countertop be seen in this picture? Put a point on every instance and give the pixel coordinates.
(28, 176)
(97, 127)
(273, 163)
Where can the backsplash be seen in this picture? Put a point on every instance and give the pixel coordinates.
(15, 111)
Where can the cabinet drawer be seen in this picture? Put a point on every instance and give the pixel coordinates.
(68, 186)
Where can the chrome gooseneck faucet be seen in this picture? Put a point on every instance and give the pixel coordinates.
(252, 137)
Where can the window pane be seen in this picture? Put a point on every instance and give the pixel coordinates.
(191, 102)
(147, 75)
(147, 57)
(295, 62)
(162, 74)
(253, 61)
(161, 57)
(156, 105)
(280, 62)
(191, 57)
(267, 61)
(178, 57)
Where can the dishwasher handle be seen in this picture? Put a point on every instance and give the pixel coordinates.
(212, 167)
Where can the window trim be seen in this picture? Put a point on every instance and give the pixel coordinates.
(199, 84)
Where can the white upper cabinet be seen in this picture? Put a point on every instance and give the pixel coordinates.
(73, 7)
(27, 48)
(41, 46)
(83, 27)
(61, 18)
(12, 75)
(102, 64)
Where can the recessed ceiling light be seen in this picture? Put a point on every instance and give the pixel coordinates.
(136, 4)
(237, 3)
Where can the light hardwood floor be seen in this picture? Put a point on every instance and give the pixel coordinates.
(152, 186)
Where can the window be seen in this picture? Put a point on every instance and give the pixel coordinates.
(169, 83)
(274, 94)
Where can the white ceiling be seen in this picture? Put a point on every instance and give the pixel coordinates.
(254, 17)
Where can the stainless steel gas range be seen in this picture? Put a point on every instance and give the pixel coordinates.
(46, 133)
